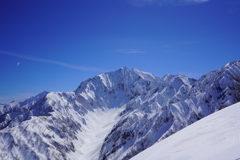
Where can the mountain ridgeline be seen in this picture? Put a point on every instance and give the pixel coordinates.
(135, 109)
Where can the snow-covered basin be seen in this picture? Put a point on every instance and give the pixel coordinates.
(215, 137)
(98, 124)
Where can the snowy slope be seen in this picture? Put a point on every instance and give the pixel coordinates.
(114, 115)
(173, 104)
(98, 124)
(215, 137)
(146, 117)
(67, 125)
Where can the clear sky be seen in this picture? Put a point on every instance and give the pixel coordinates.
(53, 45)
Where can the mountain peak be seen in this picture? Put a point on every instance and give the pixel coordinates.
(124, 68)
(232, 63)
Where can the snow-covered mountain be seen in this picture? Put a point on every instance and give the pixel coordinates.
(215, 137)
(115, 115)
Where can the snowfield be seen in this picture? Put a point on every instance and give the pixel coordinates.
(98, 124)
(215, 137)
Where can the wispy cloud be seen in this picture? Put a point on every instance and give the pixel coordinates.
(130, 51)
(18, 64)
(166, 2)
(31, 58)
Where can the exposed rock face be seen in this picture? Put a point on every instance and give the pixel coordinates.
(135, 109)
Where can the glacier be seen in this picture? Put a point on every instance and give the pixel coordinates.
(114, 115)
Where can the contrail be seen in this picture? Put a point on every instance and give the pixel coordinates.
(50, 61)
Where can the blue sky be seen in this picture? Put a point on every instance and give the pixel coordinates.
(53, 45)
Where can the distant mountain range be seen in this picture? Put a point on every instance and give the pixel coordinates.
(113, 116)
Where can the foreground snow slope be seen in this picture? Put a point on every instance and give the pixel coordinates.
(215, 137)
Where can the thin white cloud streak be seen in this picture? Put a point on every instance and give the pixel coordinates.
(18, 63)
(130, 51)
(50, 61)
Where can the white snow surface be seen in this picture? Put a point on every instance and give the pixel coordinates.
(98, 124)
(215, 137)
